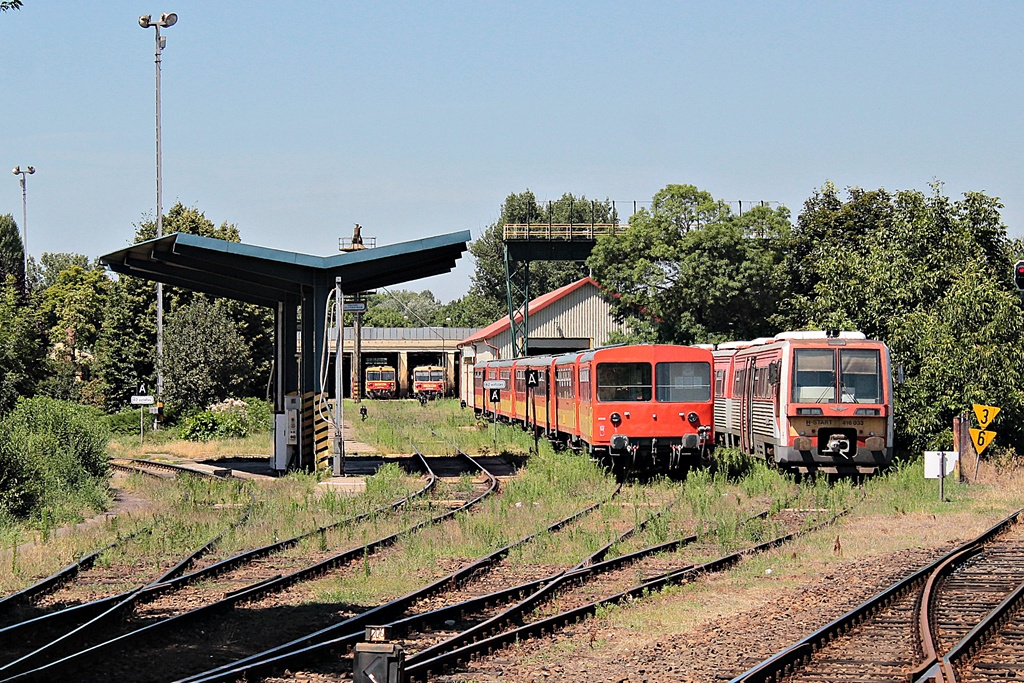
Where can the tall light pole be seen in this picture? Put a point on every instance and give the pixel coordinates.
(166, 21)
(28, 170)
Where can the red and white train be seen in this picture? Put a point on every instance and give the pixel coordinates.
(650, 404)
(428, 381)
(807, 400)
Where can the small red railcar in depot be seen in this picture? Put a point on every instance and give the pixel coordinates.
(380, 382)
(640, 404)
(807, 401)
(428, 381)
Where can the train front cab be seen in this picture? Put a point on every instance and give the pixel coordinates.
(429, 381)
(380, 382)
(836, 398)
(647, 403)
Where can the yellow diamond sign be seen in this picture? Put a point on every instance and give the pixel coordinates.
(985, 414)
(981, 439)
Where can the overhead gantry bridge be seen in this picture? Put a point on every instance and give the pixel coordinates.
(526, 242)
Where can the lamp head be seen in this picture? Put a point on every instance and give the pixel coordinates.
(144, 20)
(168, 19)
(17, 170)
(31, 170)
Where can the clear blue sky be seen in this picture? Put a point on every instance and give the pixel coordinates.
(296, 120)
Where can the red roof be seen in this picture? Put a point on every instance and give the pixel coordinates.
(537, 304)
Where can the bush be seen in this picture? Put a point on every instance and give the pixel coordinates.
(125, 422)
(52, 455)
(228, 419)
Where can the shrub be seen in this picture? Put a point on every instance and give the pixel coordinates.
(227, 419)
(52, 454)
(125, 422)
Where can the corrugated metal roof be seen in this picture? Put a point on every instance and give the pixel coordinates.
(455, 334)
(535, 305)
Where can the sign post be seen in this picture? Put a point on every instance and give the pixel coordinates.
(982, 437)
(494, 387)
(142, 400)
(939, 464)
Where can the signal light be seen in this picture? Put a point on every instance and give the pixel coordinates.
(1018, 275)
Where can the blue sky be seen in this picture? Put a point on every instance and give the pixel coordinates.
(296, 120)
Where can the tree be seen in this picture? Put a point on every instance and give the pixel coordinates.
(72, 311)
(206, 359)
(10, 4)
(21, 347)
(12, 254)
(45, 273)
(401, 308)
(704, 274)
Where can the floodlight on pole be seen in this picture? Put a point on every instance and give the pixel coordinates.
(166, 20)
(28, 170)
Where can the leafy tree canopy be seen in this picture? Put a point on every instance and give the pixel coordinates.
(703, 273)
(12, 254)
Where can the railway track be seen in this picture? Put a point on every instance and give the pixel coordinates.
(921, 628)
(461, 626)
(169, 616)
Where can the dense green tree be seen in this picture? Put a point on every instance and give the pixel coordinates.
(206, 359)
(12, 254)
(45, 273)
(704, 274)
(472, 310)
(72, 312)
(21, 346)
(401, 308)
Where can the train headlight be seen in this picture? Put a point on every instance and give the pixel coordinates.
(616, 419)
(694, 418)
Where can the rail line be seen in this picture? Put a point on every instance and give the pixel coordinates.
(90, 660)
(475, 616)
(910, 630)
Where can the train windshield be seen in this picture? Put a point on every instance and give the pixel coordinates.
(624, 382)
(682, 382)
(387, 376)
(860, 376)
(372, 376)
(814, 376)
(437, 375)
(422, 376)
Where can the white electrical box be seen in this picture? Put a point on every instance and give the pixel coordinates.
(286, 433)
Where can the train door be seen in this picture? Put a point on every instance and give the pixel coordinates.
(746, 412)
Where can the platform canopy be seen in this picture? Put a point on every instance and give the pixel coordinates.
(264, 276)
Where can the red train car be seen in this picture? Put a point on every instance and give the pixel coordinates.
(643, 403)
(428, 381)
(807, 400)
(380, 382)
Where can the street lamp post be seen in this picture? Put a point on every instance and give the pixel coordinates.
(166, 21)
(28, 170)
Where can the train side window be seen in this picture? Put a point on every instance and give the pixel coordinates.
(520, 381)
(682, 382)
(814, 376)
(719, 382)
(585, 384)
(624, 382)
(860, 376)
